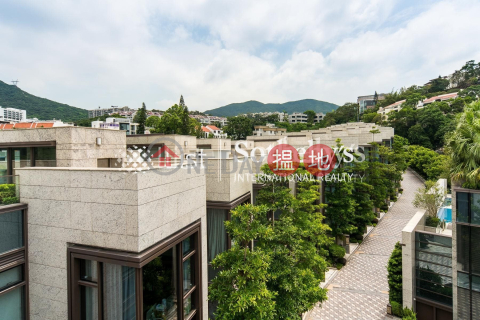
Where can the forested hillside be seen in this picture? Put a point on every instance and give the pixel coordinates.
(12, 96)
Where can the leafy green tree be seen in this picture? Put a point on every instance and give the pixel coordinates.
(463, 146)
(310, 116)
(239, 127)
(438, 84)
(402, 120)
(417, 135)
(426, 162)
(395, 275)
(340, 213)
(472, 92)
(429, 197)
(241, 287)
(298, 258)
(152, 121)
(141, 118)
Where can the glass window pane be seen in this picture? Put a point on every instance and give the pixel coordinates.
(11, 230)
(424, 274)
(45, 157)
(463, 248)
(475, 305)
(463, 302)
(216, 232)
(89, 303)
(462, 207)
(119, 299)
(463, 280)
(188, 274)
(11, 277)
(434, 296)
(187, 245)
(160, 287)
(20, 158)
(475, 208)
(433, 239)
(475, 253)
(443, 260)
(433, 249)
(476, 283)
(445, 271)
(88, 270)
(3, 162)
(188, 305)
(12, 304)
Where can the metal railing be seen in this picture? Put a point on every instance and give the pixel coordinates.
(9, 190)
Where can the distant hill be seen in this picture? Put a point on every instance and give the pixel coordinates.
(252, 106)
(13, 97)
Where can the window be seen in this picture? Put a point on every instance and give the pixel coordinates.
(13, 255)
(433, 268)
(217, 237)
(468, 208)
(11, 231)
(468, 274)
(45, 157)
(162, 282)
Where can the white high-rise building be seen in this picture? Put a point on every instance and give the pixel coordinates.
(12, 115)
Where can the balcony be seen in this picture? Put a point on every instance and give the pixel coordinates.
(9, 190)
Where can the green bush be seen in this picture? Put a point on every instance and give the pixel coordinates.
(396, 309)
(342, 261)
(339, 266)
(432, 221)
(7, 191)
(356, 236)
(395, 275)
(336, 251)
(408, 314)
(10, 200)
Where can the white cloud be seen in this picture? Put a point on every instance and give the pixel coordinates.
(90, 53)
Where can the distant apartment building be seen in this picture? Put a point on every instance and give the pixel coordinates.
(107, 111)
(298, 117)
(206, 120)
(35, 124)
(12, 115)
(269, 130)
(117, 124)
(368, 102)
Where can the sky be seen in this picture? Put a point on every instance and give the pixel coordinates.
(122, 53)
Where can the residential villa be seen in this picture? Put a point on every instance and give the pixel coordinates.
(100, 211)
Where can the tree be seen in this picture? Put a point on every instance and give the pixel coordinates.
(297, 245)
(394, 268)
(310, 116)
(429, 197)
(438, 84)
(463, 146)
(240, 288)
(239, 127)
(152, 121)
(141, 118)
(416, 135)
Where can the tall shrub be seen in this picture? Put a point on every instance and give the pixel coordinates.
(395, 275)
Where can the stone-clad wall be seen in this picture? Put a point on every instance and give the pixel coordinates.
(76, 146)
(226, 187)
(107, 208)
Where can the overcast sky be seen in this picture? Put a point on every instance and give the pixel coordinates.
(92, 53)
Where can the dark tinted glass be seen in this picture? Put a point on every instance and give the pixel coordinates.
(475, 208)
(462, 207)
(463, 303)
(11, 277)
(463, 248)
(433, 239)
(188, 274)
(423, 293)
(475, 252)
(463, 280)
(160, 287)
(11, 231)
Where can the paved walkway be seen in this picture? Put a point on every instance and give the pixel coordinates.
(360, 289)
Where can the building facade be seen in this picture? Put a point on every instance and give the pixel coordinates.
(8, 115)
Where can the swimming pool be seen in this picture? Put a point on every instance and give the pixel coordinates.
(445, 213)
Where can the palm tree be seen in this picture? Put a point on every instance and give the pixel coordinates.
(464, 147)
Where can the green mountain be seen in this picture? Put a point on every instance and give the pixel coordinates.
(12, 96)
(234, 109)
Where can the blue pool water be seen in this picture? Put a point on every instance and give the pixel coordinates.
(445, 213)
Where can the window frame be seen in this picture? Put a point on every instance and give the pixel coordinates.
(138, 261)
(17, 257)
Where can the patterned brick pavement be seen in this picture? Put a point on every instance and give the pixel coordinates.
(360, 290)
